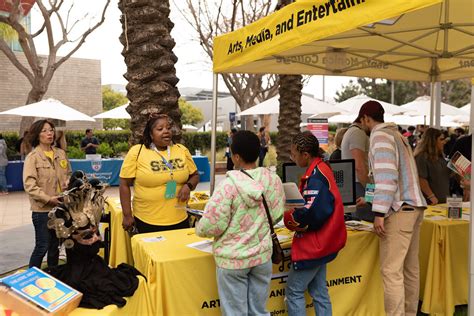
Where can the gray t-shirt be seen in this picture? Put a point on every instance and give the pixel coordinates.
(437, 175)
(355, 138)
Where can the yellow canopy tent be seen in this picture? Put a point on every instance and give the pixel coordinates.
(423, 40)
(340, 38)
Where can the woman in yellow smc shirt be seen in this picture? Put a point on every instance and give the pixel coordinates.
(162, 174)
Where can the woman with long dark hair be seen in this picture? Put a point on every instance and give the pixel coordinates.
(433, 172)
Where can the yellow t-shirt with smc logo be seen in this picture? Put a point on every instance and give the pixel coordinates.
(151, 175)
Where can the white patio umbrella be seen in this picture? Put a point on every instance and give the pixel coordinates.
(421, 106)
(308, 106)
(353, 105)
(190, 127)
(119, 112)
(49, 108)
(342, 118)
(446, 121)
(466, 108)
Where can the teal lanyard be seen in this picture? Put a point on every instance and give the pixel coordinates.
(167, 163)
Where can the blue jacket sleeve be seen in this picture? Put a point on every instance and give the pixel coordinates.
(319, 206)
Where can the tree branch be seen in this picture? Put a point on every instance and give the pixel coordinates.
(25, 40)
(83, 38)
(11, 56)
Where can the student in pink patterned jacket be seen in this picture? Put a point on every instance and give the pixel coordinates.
(236, 218)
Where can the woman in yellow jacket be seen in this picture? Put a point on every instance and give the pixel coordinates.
(45, 174)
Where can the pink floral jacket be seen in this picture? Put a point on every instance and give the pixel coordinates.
(236, 218)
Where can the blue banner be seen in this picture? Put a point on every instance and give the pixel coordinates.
(106, 170)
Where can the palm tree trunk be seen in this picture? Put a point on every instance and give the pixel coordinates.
(150, 61)
(289, 118)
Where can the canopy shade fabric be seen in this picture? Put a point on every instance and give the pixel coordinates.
(49, 108)
(308, 106)
(446, 121)
(353, 105)
(466, 108)
(119, 112)
(421, 106)
(430, 44)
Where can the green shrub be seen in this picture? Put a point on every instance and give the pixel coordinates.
(202, 141)
(105, 150)
(11, 139)
(74, 138)
(121, 147)
(273, 137)
(74, 152)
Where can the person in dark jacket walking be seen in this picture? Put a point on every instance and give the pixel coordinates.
(319, 222)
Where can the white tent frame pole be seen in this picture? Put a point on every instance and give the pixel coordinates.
(432, 100)
(471, 225)
(437, 105)
(392, 92)
(213, 131)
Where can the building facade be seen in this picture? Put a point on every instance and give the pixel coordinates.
(77, 83)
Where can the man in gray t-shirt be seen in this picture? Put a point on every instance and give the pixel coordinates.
(355, 145)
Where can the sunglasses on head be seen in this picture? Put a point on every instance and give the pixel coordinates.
(157, 115)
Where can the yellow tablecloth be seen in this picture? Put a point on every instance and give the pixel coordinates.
(443, 262)
(182, 280)
(138, 304)
(120, 248)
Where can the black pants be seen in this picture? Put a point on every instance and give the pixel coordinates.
(148, 228)
(230, 163)
(45, 242)
(261, 156)
(364, 212)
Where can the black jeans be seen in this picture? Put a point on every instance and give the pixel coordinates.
(261, 156)
(45, 242)
(143, 227)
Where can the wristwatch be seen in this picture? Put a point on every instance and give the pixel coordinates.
(191, 187)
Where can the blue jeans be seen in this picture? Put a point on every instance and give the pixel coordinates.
(45, 242)
(3, 179)
(315, 281)
(244, 291)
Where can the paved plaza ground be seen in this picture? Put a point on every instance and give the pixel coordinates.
(16, 228)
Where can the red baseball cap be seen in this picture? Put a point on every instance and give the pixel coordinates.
(372, 109)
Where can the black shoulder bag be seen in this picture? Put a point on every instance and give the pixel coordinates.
(277, 253)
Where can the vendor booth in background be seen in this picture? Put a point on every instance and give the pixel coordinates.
(105, 170)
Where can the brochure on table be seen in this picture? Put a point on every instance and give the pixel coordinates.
(40, 288)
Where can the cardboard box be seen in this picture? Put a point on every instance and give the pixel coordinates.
(35, 284)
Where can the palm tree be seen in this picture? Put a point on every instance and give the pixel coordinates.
(150, 61)
(289, 118)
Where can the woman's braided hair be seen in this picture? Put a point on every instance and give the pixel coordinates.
(307, 142)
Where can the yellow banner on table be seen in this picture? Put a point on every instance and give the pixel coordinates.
(298, 24)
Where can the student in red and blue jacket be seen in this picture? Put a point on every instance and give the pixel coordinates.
(319, 227)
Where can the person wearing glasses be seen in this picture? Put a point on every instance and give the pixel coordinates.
(433, 171)
(163, 175)
(45, 174)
